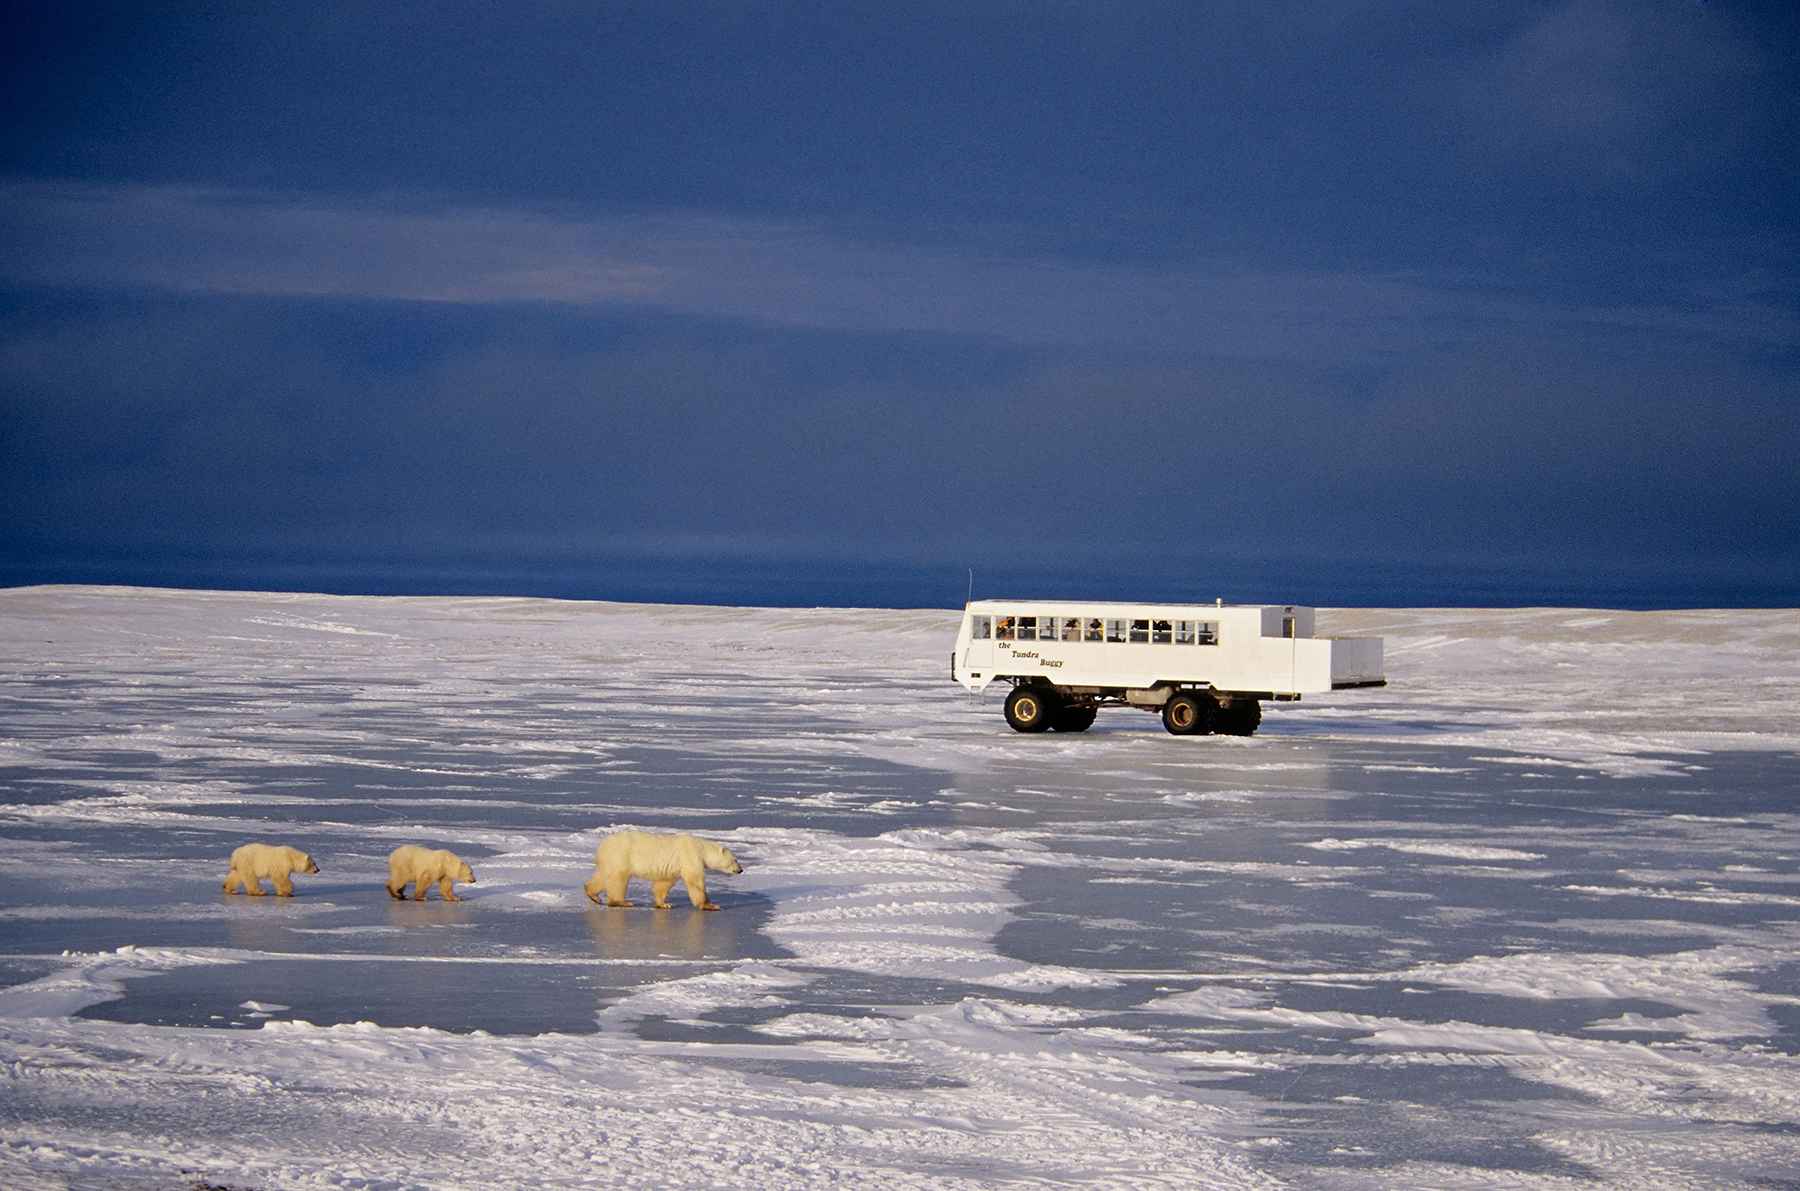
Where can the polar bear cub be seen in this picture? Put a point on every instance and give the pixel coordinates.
(421, 867)
(253, 863)
(660, 859)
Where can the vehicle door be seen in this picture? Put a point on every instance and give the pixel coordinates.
(978, 655)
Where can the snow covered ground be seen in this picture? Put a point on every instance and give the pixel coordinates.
(1528, 917)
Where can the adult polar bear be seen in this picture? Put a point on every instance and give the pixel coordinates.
(660, 859)
(251, 864)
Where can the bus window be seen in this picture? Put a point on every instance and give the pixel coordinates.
(1071, 628)
(1159, 632)
(1115, 630)
(1094, 630)
(1140, 631)
(980, 627)
(1184, 632)
(1208, 633)
(1028, 628)
(1003, 630)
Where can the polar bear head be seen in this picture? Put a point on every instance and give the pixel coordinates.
(718, 858)
(300, 861)
(464, 873)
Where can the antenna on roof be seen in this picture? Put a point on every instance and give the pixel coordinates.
(971, 598)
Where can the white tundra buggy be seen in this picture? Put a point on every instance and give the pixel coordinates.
(1205, 667)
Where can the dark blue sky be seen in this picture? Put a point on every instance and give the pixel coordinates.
(383, 295)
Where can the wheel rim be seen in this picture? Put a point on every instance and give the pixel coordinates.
(1026, 709)
(1182, 714)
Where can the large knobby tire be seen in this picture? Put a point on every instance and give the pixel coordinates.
(1030, 708)
(1074, 717)
(1188, 714)
(1241, 718)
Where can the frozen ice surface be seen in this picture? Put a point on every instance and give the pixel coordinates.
(1528, 917)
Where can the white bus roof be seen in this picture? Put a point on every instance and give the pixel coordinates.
(989, 605)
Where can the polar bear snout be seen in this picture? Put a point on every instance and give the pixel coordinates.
(312, 866)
